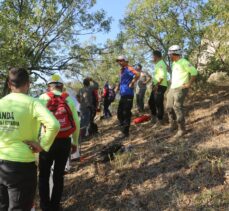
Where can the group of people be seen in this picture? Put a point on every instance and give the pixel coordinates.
(29, 126)
(183, 75)
(51, 127)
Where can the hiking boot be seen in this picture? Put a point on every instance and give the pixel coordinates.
(181, 131)
(56, 208)
(172, 125)
(120, 125)
(102, 117)
(105, 117)
(158, 124)
(125, 135)
(153, 119)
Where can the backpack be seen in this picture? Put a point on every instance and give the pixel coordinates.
(111, 95)
(60, 109)
(95, 98)
(141, 119)
(109, 152)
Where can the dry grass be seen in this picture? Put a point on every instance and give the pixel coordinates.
(161, 173)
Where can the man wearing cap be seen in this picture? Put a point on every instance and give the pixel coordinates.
(128, 78)
(156, 101)
(59, 151)
(183, 76)
(141, 87)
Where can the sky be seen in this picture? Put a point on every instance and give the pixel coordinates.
(115, 9)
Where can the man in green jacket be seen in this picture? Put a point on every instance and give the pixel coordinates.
(183, 76)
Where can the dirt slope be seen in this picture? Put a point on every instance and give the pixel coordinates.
(161, 173)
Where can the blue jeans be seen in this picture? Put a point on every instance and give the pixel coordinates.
(106, 105)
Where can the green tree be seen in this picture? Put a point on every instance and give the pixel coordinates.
(216, 35)
(99, 61)
(158, 24)
(38, 34)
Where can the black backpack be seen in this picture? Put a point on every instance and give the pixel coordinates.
(108, 152)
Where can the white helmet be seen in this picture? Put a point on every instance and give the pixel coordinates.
(175, 49)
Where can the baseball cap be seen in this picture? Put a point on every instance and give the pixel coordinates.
(120, 58)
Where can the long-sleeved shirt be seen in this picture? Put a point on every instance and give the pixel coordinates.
(20, 120)
(75, 136)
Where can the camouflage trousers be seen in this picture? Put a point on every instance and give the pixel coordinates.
(175, 104)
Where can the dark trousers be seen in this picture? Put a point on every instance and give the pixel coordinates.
(156, 102)
(93, 113)
(124, 112)
(18, 183)
(106, 109)
(58, 154)
(140, 96)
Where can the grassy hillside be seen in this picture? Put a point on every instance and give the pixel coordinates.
(160, 173)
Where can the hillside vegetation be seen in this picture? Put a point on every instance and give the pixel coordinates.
(160, 173)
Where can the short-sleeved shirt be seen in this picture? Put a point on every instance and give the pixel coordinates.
(127, 75)
(20, 119)
(181, 71)
(160, 73)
